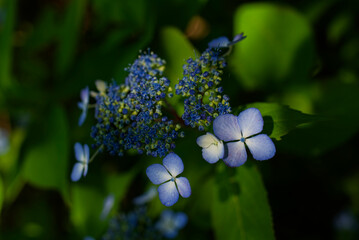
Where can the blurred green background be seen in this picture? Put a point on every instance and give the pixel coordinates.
(304, 54)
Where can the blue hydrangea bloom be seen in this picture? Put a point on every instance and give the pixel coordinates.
(82, 155)
(223, 42)
(83, 105)
(239, 132)
(170, 223)
(146, 197)
(130, 115)
(166, 176)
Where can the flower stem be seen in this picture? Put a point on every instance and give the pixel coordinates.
(95, 154)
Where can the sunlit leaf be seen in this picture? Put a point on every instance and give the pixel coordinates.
(176, 49)
(339, 105)
(240, 208)
(278, 47)
(280, 119)
(87, 204)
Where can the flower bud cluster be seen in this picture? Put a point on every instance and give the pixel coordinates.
(131, 226)
(200, 86)
(130, 115)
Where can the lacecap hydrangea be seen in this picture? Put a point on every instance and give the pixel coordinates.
(201, 90)
(131, 115)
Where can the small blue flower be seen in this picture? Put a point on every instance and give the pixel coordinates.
(238, 132)
(107, 206)
(88, 238)
(85, 94)
(4, 141)
(146, 197)
(213, 148)
(82, 154)
(345, 221)
(171, 222)
(166, 175)
(223, 42)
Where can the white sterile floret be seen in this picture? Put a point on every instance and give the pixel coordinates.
(212, 147)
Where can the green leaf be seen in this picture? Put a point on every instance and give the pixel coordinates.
(339, 104)
(278, 48)
(6, 41)
(87, 204)
(176, 50)
(118, 184)
(1, 193)
(46, 158)
(69, 33)
(8, 161)
(240, 208)
(280, 119)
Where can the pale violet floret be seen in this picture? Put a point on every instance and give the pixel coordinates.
(170, 223)
(101, 88)
(166, 175)
(82, 155)
(146, 197)
(83, 105)
(223, 42)
(239, 132)
(212, 147)
(107, 206)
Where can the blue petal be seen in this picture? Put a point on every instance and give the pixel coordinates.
(146, 197)
(77, 172)
(250, 121)
(221, 42)
(226, 127)
(157, 174)
(85, 94)
(173, 164)
(236, 155)
(213, 153)
(81, 105)
(183, 187)
(85, 169)
(86, 154)
(168, 193)
(261, 147)
(82, 117)
(79, 152)
(180, 220)
(107, 206)
(237, 38)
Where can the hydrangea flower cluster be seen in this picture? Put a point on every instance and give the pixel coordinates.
(131, 226)
(138, 225)
(130, 115)
(200, 88)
